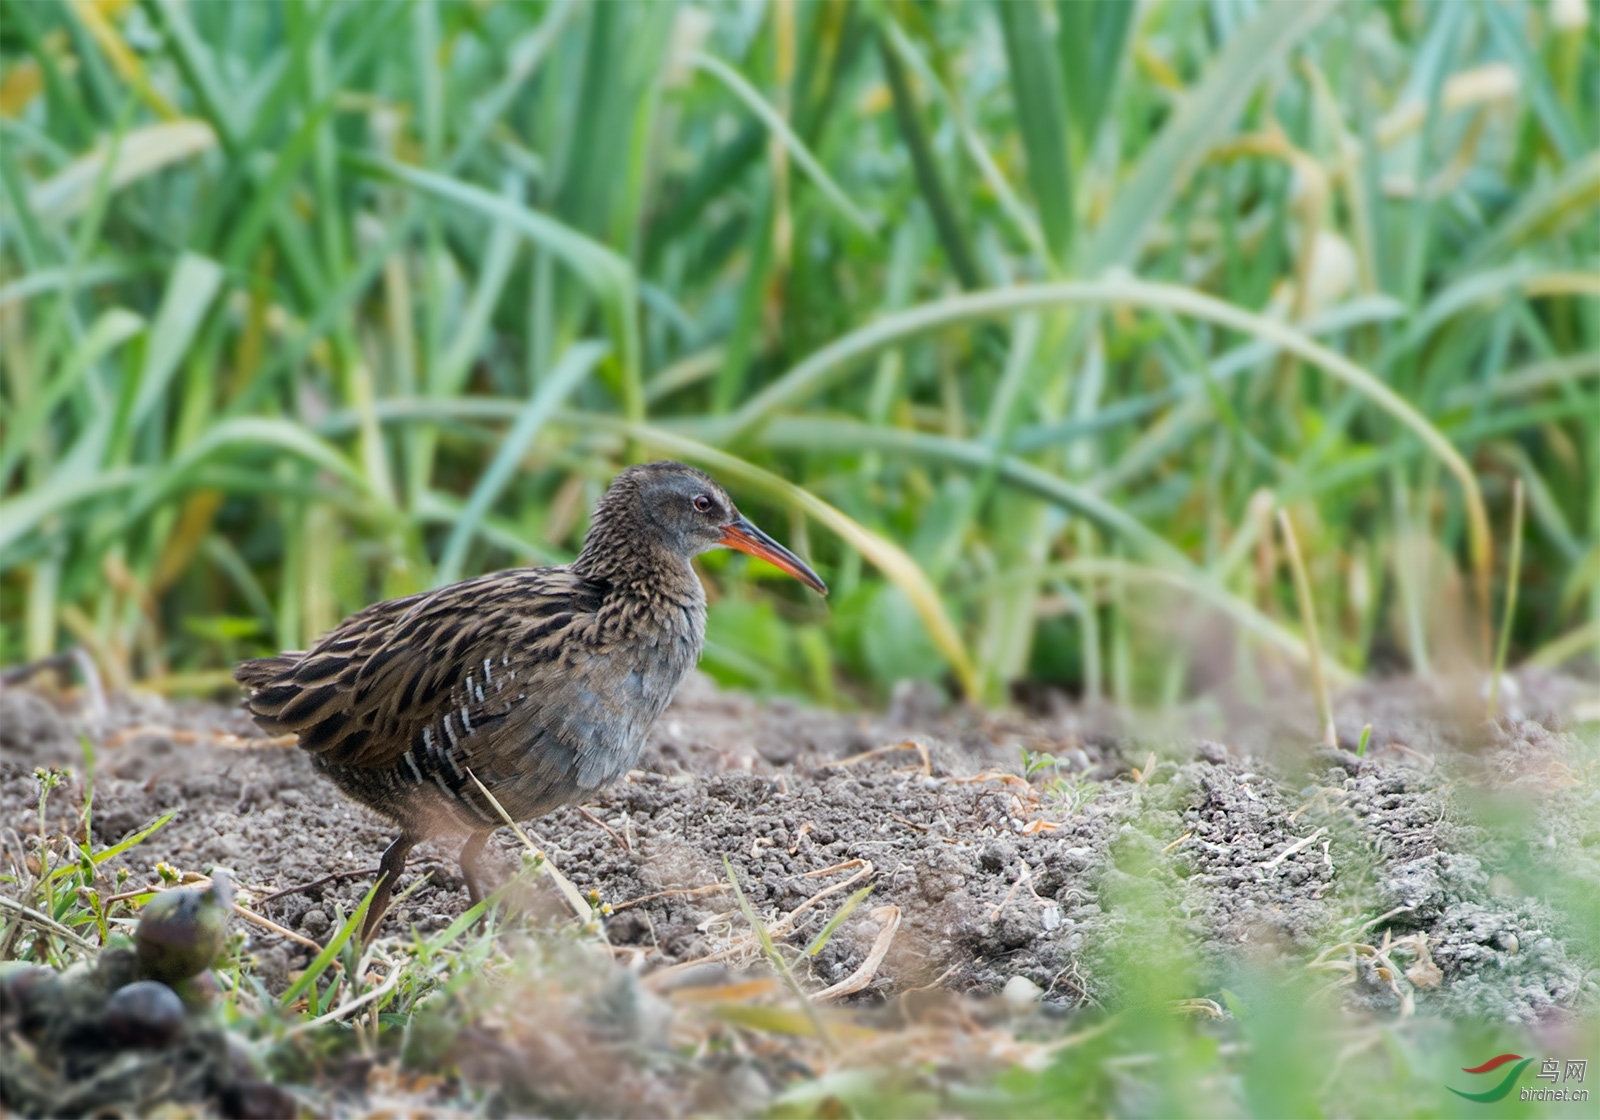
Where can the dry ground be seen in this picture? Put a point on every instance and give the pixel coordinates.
(1255, 845)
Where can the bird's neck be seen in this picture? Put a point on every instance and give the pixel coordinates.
(634, 567)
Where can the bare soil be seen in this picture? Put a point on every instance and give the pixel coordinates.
(1249, 842)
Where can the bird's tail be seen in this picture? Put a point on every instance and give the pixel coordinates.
(267, 680)
(265, 671)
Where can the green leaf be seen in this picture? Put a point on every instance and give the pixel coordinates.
(107, 333)
(1091, 36)
(118, 849)
(1037, 95)
(331, 952)
(1205, 113)
(142, 152)
(553, 391)
(930, 180)
(775, 123)
(821, 939)
(194, 284)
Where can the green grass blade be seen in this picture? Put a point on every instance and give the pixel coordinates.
(1027, 226)
(1091, 37)
(194, 283)
(823, 934)
(609, 275)
(930, 180)
(797, 149)
(330, 953)
(449, 371)
(1037, 95)
(553, 391)
(19, 516)
(1204, 114)
(1535, 78)
(194, 63)
(258, 433)
(93, 274)
(142, 152)
(105, 335)
(1549, 209)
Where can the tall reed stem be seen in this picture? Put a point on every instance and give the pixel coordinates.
(1508, 611)
(1308, 618)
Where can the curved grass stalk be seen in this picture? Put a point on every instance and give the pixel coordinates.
(836, 359)
(1553, 654)
(1191, 581)
(834, 434)
(1563, 284)
(1575, 192)
(45, 280)
(553, 390)
(142, 152)
(779, 127)
(1483, 288)
(607, 273)
(1528, 379)
(1027, 226)
(22, 514)
(253, 432)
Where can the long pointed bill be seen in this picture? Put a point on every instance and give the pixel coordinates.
(747, 538)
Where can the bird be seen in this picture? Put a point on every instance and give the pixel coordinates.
(540, 683)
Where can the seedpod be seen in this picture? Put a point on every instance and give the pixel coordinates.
(182, 931)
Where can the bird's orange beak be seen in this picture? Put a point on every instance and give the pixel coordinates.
(746, 537)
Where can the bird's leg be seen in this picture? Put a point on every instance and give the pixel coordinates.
(471, 853)
(389, 868)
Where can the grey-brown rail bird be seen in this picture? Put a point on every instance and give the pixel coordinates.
(543, 683)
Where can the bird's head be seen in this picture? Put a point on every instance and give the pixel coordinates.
(685, 512)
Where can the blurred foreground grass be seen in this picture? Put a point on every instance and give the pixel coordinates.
(308, 304)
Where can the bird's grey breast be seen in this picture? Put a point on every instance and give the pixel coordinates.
(616, 689)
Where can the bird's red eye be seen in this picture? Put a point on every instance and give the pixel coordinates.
(703, 504)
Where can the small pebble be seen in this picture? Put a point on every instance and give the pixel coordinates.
(1020, 993)
(315, 922)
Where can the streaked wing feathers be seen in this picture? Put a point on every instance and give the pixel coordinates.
(365, 694)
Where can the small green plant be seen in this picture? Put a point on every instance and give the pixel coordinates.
(1068, 793)
(1035, 761)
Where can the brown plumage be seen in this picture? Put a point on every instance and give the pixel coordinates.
(541, 682)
